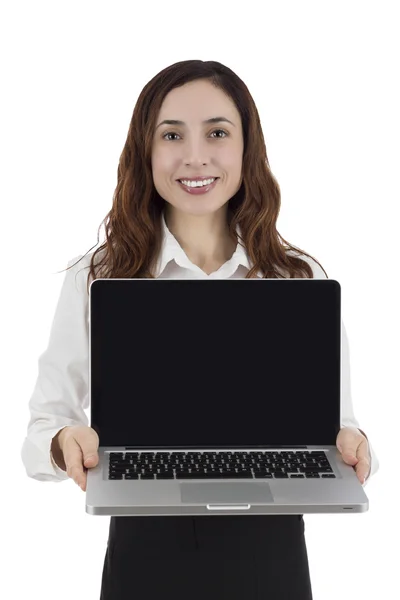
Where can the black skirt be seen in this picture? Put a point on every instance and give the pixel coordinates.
(205, 558)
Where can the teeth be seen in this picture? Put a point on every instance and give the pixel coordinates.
(197, 183)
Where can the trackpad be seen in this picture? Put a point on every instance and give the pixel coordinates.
(234, 492)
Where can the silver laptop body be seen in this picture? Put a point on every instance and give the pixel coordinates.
(217, 397)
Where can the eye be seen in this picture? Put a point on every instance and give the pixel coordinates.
(221, 130)
(168, 133)
(215, 131)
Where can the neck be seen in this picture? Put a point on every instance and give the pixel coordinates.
(204, 238)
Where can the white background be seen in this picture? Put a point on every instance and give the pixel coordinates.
(325, 80)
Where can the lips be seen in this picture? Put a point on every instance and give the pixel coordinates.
(199, 189)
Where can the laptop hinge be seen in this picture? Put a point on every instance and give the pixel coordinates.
(207, 447)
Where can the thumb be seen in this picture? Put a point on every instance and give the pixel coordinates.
(91, 459)
(349, 454)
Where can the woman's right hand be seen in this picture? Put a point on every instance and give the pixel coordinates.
(79, 445)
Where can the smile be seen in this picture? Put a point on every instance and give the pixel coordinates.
(197, 183)
(198, 187)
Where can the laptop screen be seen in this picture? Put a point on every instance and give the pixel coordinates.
(232, 363)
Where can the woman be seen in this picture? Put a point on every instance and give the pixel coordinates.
(196, 120)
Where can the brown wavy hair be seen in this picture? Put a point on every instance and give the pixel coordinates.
(133, 226)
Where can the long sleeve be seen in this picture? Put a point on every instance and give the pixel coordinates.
(347, 414)
(347, 417)
(61, 392)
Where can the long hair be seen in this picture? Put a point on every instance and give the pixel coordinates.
(133, 225)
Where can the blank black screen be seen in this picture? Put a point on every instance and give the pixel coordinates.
(199, 363)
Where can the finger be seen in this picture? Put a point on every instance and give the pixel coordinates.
(89, 445)
(73, 460)
(350, 451)
(350, 460)
(91, 459)
(83, 484)
(348, 440)
(364, 464)
(362, 469)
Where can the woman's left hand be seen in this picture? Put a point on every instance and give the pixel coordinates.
(354, 448)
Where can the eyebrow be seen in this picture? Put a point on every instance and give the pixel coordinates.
(212, 120)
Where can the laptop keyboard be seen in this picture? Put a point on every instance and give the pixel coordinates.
(297, 464)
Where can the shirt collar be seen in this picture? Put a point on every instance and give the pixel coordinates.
(171, 250)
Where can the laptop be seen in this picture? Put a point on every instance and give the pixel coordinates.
(217, 397)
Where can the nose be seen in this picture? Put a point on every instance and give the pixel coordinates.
(196, 152)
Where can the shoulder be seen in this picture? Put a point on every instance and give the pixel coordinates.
(317, 270)
(78, 269)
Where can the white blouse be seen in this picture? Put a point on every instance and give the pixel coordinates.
(61, 392)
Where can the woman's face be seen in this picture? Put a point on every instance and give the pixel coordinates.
(196, 148)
